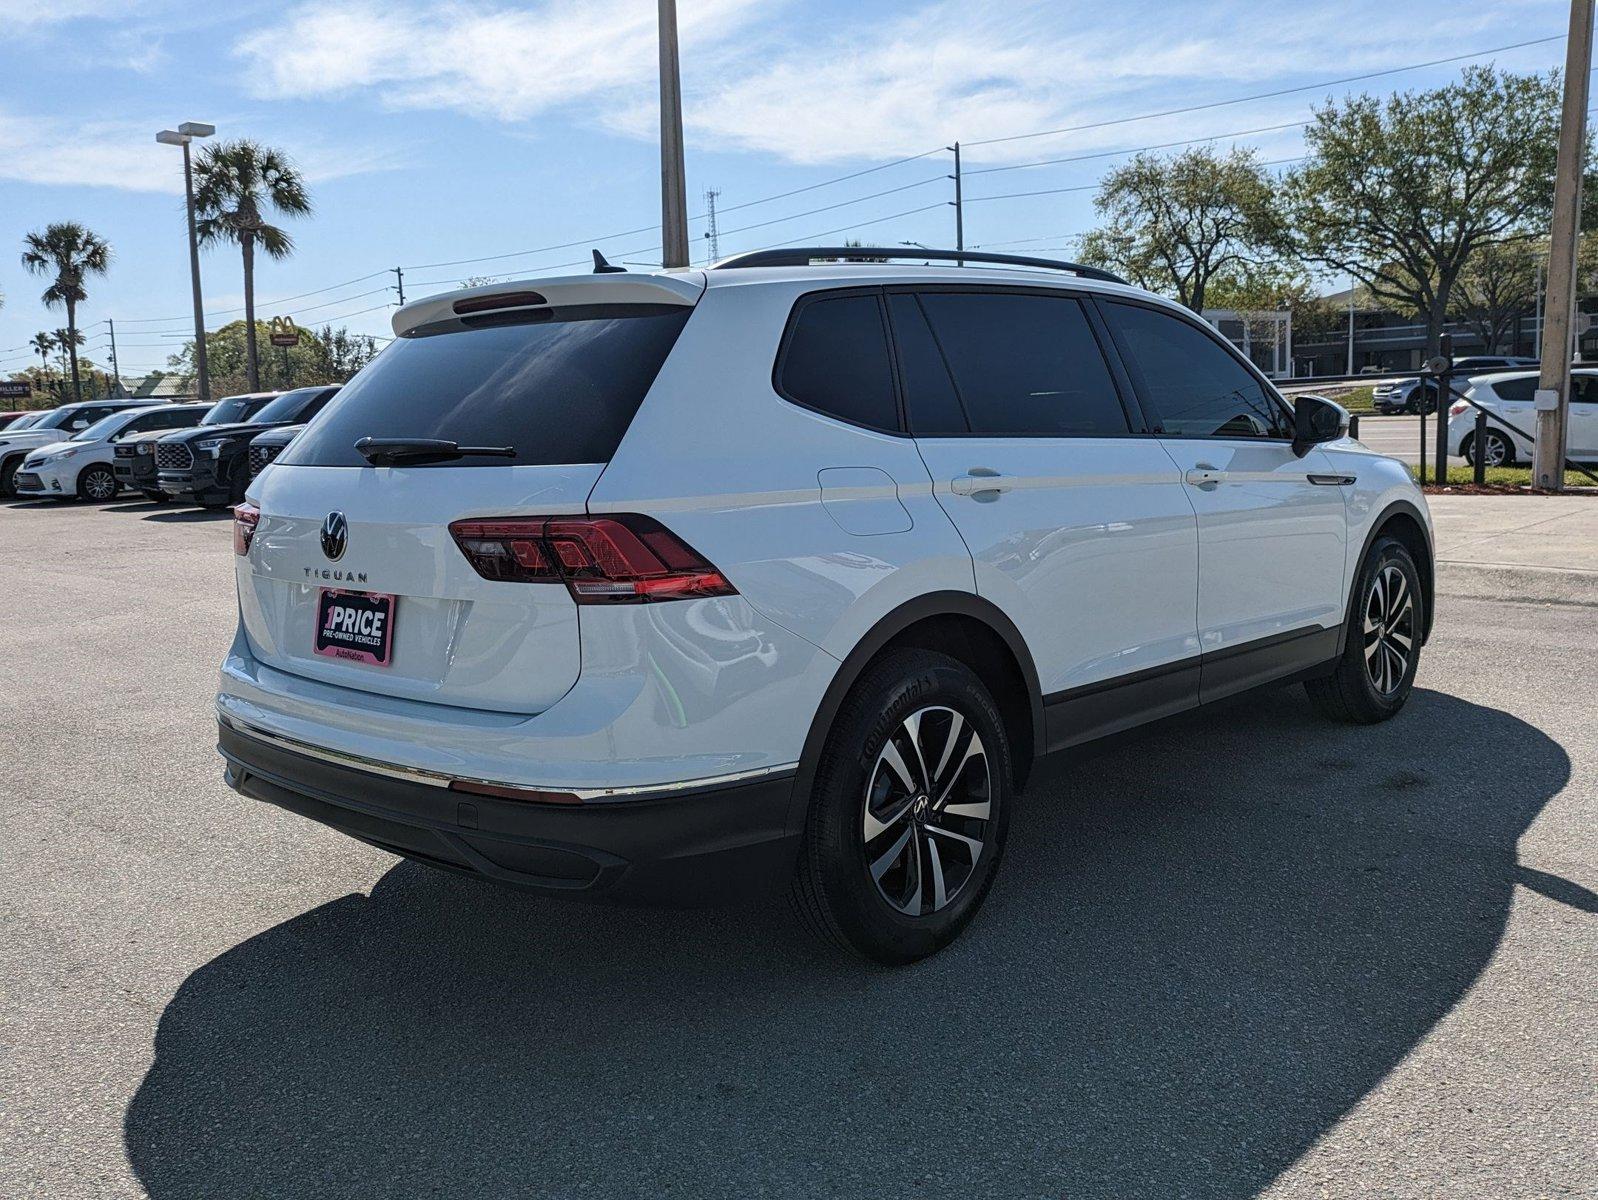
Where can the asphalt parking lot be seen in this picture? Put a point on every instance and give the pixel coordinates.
(1399, 437)
(1242, 953)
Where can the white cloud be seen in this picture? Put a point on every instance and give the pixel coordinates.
(958, 70)
(772, 78)
(125, 155)
(498, 62)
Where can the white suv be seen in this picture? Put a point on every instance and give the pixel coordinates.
(684, 585)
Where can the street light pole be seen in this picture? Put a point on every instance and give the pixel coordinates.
(182, 136)
(673, 175)
(1559, 311)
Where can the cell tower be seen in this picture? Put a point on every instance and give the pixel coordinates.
(712, 234)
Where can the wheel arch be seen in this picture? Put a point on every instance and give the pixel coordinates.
(1403, 520)
(968, 628)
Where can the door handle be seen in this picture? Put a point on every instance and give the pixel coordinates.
(979, 481)
(1205, 475)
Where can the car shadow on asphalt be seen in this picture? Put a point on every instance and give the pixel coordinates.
(1210, 940)
(186, 516)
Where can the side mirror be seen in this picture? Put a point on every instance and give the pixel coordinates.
(1316, 420)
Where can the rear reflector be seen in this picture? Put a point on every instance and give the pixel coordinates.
(618, 558)
(501, 792)
(499, 300)
(245, 518)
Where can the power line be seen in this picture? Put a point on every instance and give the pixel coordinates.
(590, 241)
(223, 312)
(1088, 187)
(1049, 162)
(1307, 87)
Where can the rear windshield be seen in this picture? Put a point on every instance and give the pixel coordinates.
(287, 406)
(234, 409)
(557, 385)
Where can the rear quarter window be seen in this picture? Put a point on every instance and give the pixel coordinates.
(560, 386)
(835, 360)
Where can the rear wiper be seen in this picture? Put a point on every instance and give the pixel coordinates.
(388, 452)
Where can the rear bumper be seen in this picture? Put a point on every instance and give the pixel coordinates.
(710, 846)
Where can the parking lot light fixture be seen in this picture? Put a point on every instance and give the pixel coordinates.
(182, 136)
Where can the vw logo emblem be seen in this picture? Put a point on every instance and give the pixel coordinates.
(335, 532)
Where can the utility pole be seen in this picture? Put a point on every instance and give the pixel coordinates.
(1351, 287)
(1538, 350)
(673, 175)
(399, 280)
(1553, 386)
(959, 207)
(116, 371)
(712, 231)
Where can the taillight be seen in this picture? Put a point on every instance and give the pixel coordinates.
(1455, 410)
(619, 558)
(245, 518)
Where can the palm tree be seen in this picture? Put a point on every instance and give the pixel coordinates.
(43, 344)
(72, 253)
(236, 184)
(67, 342)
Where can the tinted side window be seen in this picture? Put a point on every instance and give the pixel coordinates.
(1516, 390)
(836, 361)
(1585, 391)
(1194, 386)
(1025, 364)
(930, 399)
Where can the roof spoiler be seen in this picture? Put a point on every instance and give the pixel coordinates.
(803, 256)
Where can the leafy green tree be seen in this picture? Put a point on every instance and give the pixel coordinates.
(236, 185)
(1172, 224)
(70, 253)
(1401, 192)
(327, 355)
(1498, 284)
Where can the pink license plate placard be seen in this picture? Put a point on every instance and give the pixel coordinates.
(355, 626)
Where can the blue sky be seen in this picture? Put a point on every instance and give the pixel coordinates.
(439, 131)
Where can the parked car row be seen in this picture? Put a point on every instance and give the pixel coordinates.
(195, 453)
(1412, 395)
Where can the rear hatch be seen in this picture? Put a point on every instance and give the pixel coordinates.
(555, 376)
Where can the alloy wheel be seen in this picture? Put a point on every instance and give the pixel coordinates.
(928, 810)
(99, 485)
(1389, 629)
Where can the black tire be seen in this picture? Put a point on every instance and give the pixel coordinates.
(1500, 449)
(8, 477)
(97, 484)
(895, 916)
(155, 497)
(1370, 683)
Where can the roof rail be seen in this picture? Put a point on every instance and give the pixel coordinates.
(803, 256)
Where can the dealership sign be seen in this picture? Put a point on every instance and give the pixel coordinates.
(15, 391)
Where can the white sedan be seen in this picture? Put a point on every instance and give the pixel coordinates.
(1511, 396)
(81, 466)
